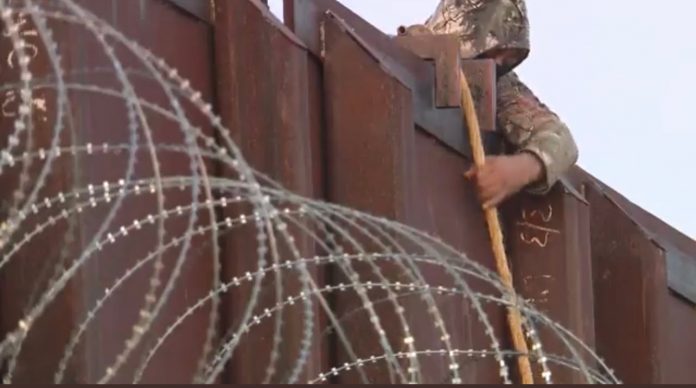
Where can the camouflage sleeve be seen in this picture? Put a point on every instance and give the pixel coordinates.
(529, 126)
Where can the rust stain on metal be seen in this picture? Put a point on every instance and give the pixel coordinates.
(549, 251)
(267, 102)
(183, 44)
(615, 275)
(632, 248)
(420, 185)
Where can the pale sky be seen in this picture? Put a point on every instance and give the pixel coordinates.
(621, 74)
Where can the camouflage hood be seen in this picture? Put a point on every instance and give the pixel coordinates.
(488, 28)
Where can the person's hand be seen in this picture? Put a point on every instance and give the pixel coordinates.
(504, 176)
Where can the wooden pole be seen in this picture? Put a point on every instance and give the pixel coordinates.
(496, 235)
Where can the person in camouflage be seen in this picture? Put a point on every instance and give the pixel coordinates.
(544, 146)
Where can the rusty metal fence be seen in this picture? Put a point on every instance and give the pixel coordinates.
(336, 110)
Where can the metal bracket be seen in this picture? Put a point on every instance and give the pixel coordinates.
(444, 51)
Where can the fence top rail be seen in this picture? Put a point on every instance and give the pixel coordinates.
(679, 249)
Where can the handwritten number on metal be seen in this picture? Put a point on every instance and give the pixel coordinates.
(30, 49)
(10, 102)
(535, 231)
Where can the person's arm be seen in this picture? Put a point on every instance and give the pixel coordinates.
(533, 128)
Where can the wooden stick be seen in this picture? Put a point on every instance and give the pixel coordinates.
(496, 235)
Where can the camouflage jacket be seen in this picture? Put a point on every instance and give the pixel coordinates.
(500, 29)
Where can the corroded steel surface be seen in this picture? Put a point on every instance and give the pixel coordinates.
(373, 143)
(21, 278)
(569, 297)
(643, 325)
(445, 205)
(334, 109)
(681, 249)
(185, 43)
(629, 284)
(365, 149)
(265, 100)
(549, 244)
